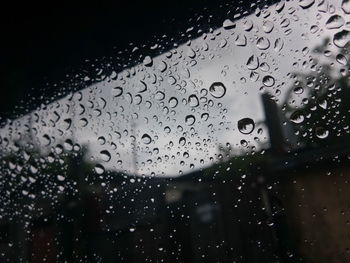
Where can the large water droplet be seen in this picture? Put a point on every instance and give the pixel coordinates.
(146, 139)
(190, 120)
(268, 81)
(217, 90)
(253, 62)
(105, 155)
(335, 21)
(142, 87)
(341, 59)
(298, 90)
(173, 102)
(297, 117)
(278, 45)
(160, 95)
(246, 125)
(193, 100)
(306, 3)
(228, 24)
(182, 141)
(321, 132)
(147, 61)
(60, 178)
(241, 40)
(345, 5)
(263, 43)
(117, 91)
(341, 38)
(99, 168)
(268, 26)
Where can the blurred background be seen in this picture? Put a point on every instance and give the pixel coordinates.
(195, 131)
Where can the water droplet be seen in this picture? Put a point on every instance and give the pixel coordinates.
(244, 143)
(278, 45)
(68, 145)
(190, 120)
(341, 38)
(142, 87)
(246, 125)
(47, 140)
(228, 24)
(60, 178)
(173, 102)
(193, 100)
(182, 141)
(322, 103)
(345, 5)
(248, 25)
(297, 117)
(147, 61)
(217, 90)
(99, 168)
(341, 59)
(321, 132)
(241, 40)
(162, 66)
(146, 139)
(105, 155)
(117, 91)
(335, 21)
(160, 95)
(263, 43)
(298, 90)
(191, 53)
(268, 81)
(268, 26)
(253, 62)
(306, 3)
(205, 116)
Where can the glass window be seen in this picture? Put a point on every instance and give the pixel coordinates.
(228, 142)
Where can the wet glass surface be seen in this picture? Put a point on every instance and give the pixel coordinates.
(231, 146)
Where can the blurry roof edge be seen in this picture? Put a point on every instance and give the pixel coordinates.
(39, 95)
